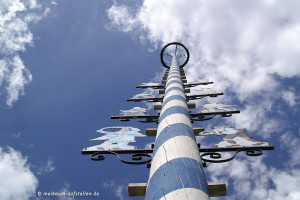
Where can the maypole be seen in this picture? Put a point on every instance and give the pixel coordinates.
(176, 170)
(175, 160)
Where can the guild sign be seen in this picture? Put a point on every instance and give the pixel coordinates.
(234, 137)
(143, 96)
(117, 138)
(218, 107)
(136, 111)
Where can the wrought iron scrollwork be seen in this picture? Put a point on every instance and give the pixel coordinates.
(226, 115)
(138, 155)
(217, 157)
(195, 97)
(158, 99)
(141, 118)
(201, 118)
(124, 119)
(162, 53)
(200, 96)
(97, 157)
(137, 158)
(254, 152)
(147, 120)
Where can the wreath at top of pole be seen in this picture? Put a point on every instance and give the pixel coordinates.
(174, 43)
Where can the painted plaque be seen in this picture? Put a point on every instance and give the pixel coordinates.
(136, 111)
(150, 84)
(217, 107)
(199, 82)
(233, 137)
(143, 96)
(117, 138)
(204, 91)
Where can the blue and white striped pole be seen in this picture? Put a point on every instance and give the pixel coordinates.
(176, 170)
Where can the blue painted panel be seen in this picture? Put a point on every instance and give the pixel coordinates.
(117, 137)
(234, 137)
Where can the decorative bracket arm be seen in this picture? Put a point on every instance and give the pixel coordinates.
(156, 86)
(213, 153)
(194, 84)
(137, 158)
(200, 96)
(140, 118)
(203, 116)
(216, 157)
(157, 99)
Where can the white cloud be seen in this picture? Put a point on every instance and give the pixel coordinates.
(49, 167)
(15, 16)
(289, 97)
(17, 78)
(16, 135)
(287, 185)
(289, 142)
(118, 189)
(16, 179)
(148, 145)
(252, 179)
(255, 119)
(65, 189)
(121, 18)
(33, 17)
(119, 192)
(241, 46)
(54, 3)
(247, 48)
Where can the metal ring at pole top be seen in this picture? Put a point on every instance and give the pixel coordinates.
(174, 43)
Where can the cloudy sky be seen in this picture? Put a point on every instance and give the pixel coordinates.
(66, 66)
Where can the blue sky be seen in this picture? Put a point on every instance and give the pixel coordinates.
(65, 67)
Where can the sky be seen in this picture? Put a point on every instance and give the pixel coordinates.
(67, 66)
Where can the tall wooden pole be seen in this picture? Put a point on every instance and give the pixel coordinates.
(176, 170)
